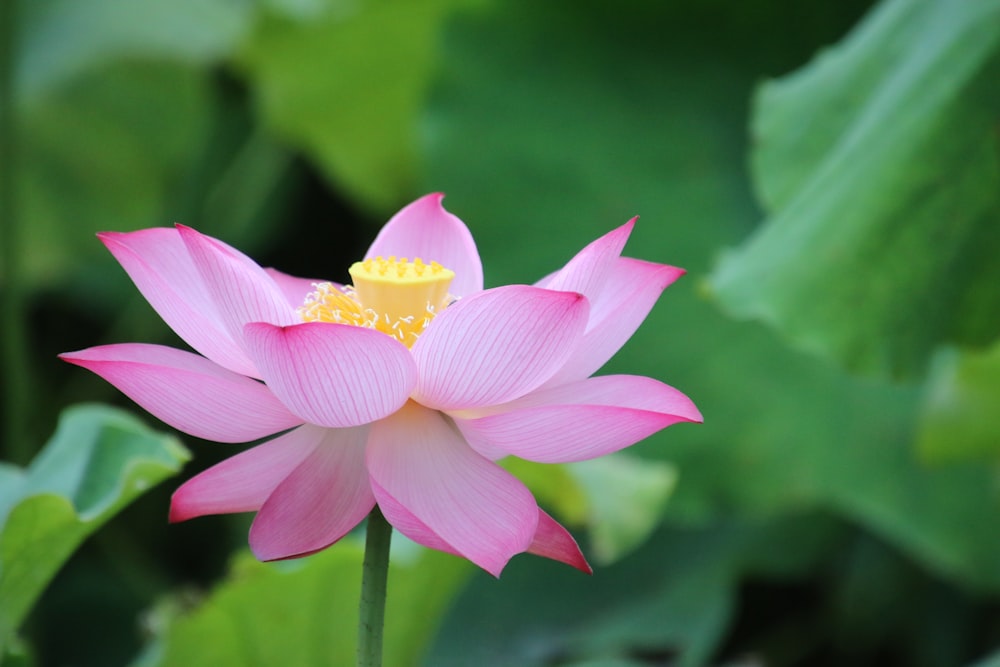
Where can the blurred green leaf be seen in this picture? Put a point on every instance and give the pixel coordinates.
(879, 166)
(345, 83)
(98, 461)
(960, 419)
(314, 602)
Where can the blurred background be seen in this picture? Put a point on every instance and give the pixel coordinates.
(827, 172)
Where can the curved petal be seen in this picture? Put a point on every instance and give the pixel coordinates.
(424, 229)
(553, 541)
(581, 420)
(319, 502)
(333, 375)
(159, 264)
(189, 392)
(633, 286)
(243, 482)
(418, 462)
(587, 273)
(241, 290)
(294, 288)
(496, 345)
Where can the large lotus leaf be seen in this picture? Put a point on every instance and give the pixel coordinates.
(305, 612)
(572, 151)
(345, 84)
(879, 166)
(98, 461)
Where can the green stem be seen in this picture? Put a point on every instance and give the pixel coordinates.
(375, 573)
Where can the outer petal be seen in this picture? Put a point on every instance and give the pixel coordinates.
(319, 502)
(294, 288)
(581, 420)
(588, 271)
(189, 392)
(241, 290)
(424, 229)
(496, 345)
(333, 375)
(449, 494)
(633, 286)
(553, 541)
(243, 482)
(158, 263)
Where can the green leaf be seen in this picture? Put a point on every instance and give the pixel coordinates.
(879, 166)
(98, 461)
(960, 418)
(314, 602)
(346, 86)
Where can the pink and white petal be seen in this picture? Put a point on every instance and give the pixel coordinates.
(426, 230)
(419, 462)
(159, 264)
(632, 289)
(553, 541)
(242, 291)
(582, 420)
(587, 273)
(317, 503)
(189, 392)
(333, 375)
(496, 345)
(294, 288)
(243, 482)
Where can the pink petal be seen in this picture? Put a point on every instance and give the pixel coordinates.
(587, 273)
(295, 289)
(189, 392)
(496, 345)
(158, 263)
(633, 286)
(319, 502)
(241, 290)
(424, 229)
(333, 375)
(449, 494)
(553, 541)
(581, 420)
(243, 482)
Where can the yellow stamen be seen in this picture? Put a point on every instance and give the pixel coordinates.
(395, 296)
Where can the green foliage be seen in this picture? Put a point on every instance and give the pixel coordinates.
(98, 460)
(879, 166)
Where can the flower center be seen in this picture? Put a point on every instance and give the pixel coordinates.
(395, 296)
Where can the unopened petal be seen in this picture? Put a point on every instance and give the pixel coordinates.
(243, 482)
(497, 345)
(581, 420)
(419, 462)
(333, 375)
(426, 230)
(189, 392)
(317, 503)
(553, 541)
(159, 264)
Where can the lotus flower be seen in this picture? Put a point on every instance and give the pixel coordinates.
(403, 389)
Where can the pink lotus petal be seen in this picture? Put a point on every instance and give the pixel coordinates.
(496, 345)
(418, 461)
(587, 273)
(158, 263)
(243, 482)
(333, 375)
(633, 286)
(553, 541)
(319, 502)
(581, 420)
(189, 392)
(241, 290)
(424, 229)
(294, 288)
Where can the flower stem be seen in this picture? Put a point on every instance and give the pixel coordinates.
(375, 572)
